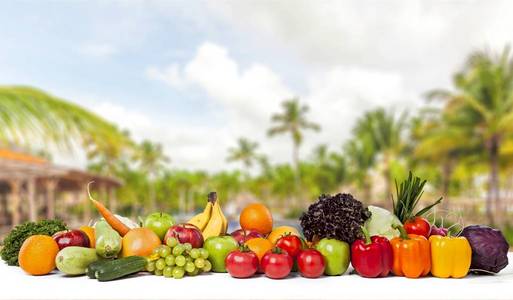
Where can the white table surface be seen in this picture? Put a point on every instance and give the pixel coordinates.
(15, 284)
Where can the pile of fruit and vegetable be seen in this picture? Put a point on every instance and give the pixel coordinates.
(337, 230)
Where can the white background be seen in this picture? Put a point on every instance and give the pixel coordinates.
(17, 285)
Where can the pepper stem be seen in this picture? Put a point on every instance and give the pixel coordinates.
(366, 235)
(402, 233)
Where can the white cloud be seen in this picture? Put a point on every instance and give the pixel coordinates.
(339, 96)
(245, 97)
(135, 121)
(169, 75)
(98, 50)
(249, 96)
(425, 41)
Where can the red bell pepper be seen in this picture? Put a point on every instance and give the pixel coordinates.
(372, 256)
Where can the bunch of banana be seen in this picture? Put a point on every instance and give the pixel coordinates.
(211, 221)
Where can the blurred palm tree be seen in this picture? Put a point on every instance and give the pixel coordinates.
(28, 114)
(386, 133)
(483, 104)
(107, 159)
(152, 161)
(440, 144)
(245, 152)
(292, 120)
(329, 169)
(360, 154)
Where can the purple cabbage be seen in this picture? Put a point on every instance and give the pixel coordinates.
(489, 248)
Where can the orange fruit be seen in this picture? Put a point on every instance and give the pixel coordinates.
(139, 241)
(37, 255)
(256, 216)
(280, 231)
(260, 246)
(89, 231)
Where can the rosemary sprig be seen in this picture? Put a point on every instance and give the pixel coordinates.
(409, 193)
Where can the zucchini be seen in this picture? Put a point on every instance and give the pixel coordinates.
(119, 268)
(93, 267)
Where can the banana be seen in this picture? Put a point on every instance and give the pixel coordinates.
(201, 220)
(225, 222)
(215, 225)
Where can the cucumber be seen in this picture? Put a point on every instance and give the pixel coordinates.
(119, 268)
(108, 240)
(75, 260)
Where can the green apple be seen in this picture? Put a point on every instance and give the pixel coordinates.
(159, 223)
(336, 255)
(218, 248)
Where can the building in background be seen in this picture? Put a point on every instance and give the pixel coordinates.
(33, 188)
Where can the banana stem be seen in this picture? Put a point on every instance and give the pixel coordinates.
(212, 197)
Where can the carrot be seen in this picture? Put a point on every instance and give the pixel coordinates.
(114, 222)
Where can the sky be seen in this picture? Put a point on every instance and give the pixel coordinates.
(196, 75)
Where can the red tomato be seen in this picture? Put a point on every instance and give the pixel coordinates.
(241, 264)
(276, 263)
(291, 244)
(419, 226)
(310, 263)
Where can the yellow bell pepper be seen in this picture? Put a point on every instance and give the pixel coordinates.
(450, 256)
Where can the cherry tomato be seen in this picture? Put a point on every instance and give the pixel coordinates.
(276, 263)
(419, 226)
(291, 244)
(241, 263)
(310, 263)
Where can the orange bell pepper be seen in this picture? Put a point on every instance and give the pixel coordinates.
(412, 255)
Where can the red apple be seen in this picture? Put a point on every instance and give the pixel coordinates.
(71, 238)
(241, 235)
(185, 233)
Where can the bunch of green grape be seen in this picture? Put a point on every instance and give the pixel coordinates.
(177, 260)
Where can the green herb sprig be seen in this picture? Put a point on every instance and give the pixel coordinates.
(409, 193)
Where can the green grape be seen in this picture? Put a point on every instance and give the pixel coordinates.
(160, 264)
(195, 253)
(156, 250)
(168, 272)
(194, 273)
(178, 273)
(150, 266)
(199, 263)
(180, 260)
(204, 253)
(178, 250)
(172, 242)
(188, 246)
(207, 267)
(170, 260)
(159, 272)
(164, 251)
(189, 267)
(189, 259)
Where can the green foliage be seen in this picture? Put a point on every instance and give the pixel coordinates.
(28, 115)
